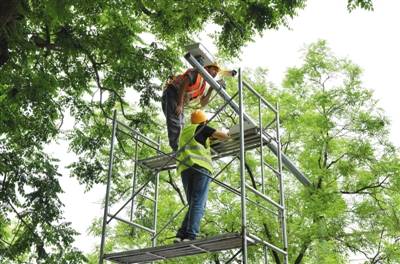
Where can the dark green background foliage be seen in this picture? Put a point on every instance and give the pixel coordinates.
(82, 59)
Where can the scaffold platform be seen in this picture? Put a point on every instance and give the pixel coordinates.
(205, 245)
(219, 149)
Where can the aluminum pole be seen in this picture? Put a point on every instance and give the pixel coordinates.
(281, 189)
(265, 254)
(134, 175)
(155, 208)
(289, 165)
(110, 166)
(242, 170)
(261, 146)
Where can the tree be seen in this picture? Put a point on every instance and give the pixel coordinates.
(339, 136)
(334, 129)
(81, 58)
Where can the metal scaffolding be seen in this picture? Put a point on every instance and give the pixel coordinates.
(251, 135)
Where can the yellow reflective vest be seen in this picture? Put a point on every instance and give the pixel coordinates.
(193, 152)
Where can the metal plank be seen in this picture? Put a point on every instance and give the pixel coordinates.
(222, 149)
(217, 243)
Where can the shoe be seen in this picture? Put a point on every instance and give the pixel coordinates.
(187, 240)
(177, 240)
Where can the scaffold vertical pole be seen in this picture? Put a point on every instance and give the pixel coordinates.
(242, 169)
(110, 166)
(261, 145)
(265, 254)
(134, 175)
(155, 208)
(281, 188)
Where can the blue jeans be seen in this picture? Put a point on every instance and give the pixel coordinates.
(195, 182)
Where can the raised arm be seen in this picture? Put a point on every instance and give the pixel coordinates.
(218, 134)
(181, 95)
(206, 98)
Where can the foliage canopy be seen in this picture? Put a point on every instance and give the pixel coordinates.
(81, 59)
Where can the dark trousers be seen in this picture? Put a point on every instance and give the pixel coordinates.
(174, 122)
(195, 182)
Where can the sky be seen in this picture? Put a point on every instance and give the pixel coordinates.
(366, 38)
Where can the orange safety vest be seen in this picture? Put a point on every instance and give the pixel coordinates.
(194, 90)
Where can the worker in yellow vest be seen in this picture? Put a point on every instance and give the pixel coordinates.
(187, 88)
(195, 168)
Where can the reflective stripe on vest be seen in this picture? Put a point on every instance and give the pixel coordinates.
(195, 90)
(193, 152)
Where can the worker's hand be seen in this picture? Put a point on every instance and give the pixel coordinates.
(222, 83)
(233, 73)
(179, 109)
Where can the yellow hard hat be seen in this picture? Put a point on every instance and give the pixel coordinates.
(213, 64)
(198, 116)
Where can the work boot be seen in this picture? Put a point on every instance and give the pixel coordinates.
(177, 240)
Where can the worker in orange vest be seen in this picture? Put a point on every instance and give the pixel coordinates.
(187, 87)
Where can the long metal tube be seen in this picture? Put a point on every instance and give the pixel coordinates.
(266, 198)
(136, 132)
(271, 246)
(273, 109)
(110, 166)
(281, 189)
(242, 170)
(133, 224)
(289, 165)
(169, 221)
(261, 146)
(155, 208)
(134, 175)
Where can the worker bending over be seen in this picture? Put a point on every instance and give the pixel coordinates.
(195, 168)
(184, 89)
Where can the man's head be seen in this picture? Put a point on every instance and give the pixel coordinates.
(212, 69)
(198, 116)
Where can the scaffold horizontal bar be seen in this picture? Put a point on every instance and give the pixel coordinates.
(288, 164)
(251, 89)
(133, 224)
(280, 207)
(272, 168)
(147, 197)
(274, 248)
(136, 132)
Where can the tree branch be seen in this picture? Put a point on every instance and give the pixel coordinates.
(335, 161)
(366, 187)
(303, 250)
(175, 187)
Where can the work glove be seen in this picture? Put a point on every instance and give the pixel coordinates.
(222, 83)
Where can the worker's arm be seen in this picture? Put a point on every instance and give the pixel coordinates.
(218, 134)
(181, 96)
(206, 98)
